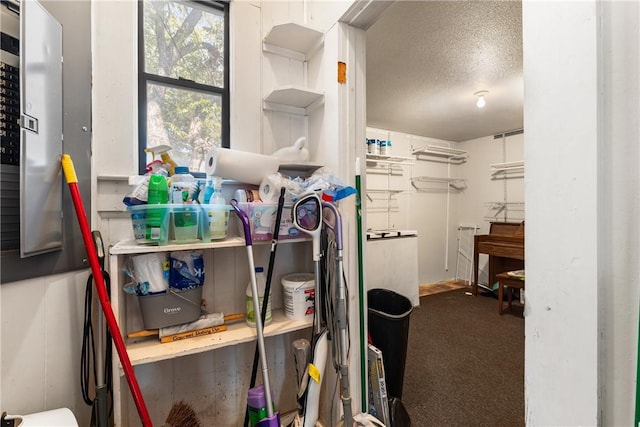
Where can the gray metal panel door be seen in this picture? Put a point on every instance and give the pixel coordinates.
(41, 133)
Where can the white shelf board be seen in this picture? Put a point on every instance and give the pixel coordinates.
(298, 40)
(451, 154)
(294, 96)
(389, 159)
(131, 247)
(300, 167)
(150, 349)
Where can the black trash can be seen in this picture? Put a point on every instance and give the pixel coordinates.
(389, 314)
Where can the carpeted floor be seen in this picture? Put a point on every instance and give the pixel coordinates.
(465, 363)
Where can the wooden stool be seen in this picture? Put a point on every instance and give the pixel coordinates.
(511, 282)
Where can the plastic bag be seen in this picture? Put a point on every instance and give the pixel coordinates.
(187, 270)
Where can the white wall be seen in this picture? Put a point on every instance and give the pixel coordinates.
(437, 213)
(45, 314)
(223, 376)
(480, 202)
(581, 189)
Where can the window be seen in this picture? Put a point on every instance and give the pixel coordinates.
(183, 85)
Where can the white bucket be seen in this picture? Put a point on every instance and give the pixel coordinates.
(299, 295)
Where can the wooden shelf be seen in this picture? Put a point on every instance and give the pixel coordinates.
(150, 350)
(293, 100)
(293, 40)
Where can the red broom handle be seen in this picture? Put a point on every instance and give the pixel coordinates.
(72, 181)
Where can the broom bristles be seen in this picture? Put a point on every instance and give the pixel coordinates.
(182, 415)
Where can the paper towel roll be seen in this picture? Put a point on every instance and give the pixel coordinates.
(150, 272)
(270, 188)
(240, 165)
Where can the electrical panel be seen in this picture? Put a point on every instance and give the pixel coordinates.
(31, 129)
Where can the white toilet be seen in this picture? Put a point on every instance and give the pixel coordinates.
(62, 417)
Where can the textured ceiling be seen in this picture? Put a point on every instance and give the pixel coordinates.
(426, 59)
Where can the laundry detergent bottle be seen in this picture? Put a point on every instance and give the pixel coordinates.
(261, 283)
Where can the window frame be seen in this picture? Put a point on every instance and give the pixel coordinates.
(144, 78)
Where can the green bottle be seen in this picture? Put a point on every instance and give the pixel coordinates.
(158, 195)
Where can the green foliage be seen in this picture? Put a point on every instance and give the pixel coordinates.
(185, 41)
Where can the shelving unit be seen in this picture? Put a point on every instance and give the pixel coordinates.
(505, 211)
(299, 42)
(390, 166)
(429, 183)
(441, 154)
(293, 40)
(293, 100)
(507, 170)
(374, 159)
(148, 350)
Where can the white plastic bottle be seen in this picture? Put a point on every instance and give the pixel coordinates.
(261, 282)
(182, 186)
(217, 212)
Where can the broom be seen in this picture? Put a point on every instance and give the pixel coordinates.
(181, 414)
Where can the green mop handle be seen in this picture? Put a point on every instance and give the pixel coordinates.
(363, 343)
(637, 414)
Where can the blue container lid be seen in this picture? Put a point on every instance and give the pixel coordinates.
(259, 269)
(181, 170)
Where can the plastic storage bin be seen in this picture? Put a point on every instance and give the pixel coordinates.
(185, 220)
(262, 221)
(214, 223)
(389, 314)
(150, 224)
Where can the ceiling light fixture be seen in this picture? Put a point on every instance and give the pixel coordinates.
(481, 101)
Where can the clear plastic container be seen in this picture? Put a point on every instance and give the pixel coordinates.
(150, 224)
(185, 223)
(215, 221)
(261, 282)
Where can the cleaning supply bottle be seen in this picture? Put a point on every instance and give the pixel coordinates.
(217, 212)
(208, 190)
(257, 404)
(163, 152)
(261, 283)
(182, 186)
(158, 194)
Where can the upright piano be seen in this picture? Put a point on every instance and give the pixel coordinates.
(505, 246)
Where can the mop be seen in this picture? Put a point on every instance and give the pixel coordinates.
(273, 418)
(363, 342)
(339, 312)
(265, 302)
(307, 217)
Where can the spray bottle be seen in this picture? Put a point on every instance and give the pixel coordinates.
(163, 152)
(219, 213)
(141, 184)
